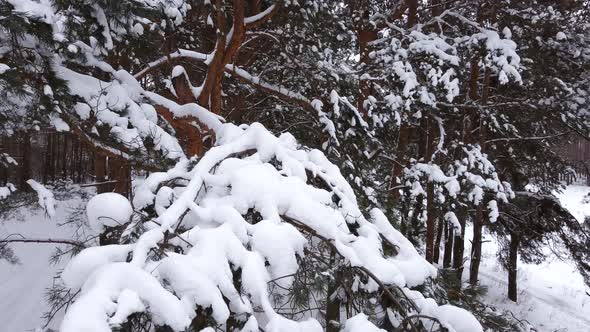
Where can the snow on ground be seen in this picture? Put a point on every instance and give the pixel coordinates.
(573, 199)
(22, 286)
(552, 296)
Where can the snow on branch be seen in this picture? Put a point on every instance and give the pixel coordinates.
(180, 53)
(45, 197)
(263, 16)
(118, 104)
(250, 169)
(6, 160)
(7, 190)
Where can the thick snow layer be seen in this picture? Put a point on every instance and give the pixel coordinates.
(216, 238)
(108, 210)
(83, 264)
(91, 311)
(45, 197)
(131, 121)
(360, 322)
(128, 303)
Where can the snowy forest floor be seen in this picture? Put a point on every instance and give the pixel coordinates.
(23, 286)
(552, 295)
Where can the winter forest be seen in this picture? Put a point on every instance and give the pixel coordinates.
(294, 165)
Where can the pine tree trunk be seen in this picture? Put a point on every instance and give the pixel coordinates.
(439, 233)
(430, 222)
(120, 172)
(3, 170)
(476, 244)
(26, 165)
(412, 12)
(55, 157)
(100, 172)
(459, 243)
(478, 222)
(449, 235)
(404, 131)
(365, 34)
(414, 226)
(512, 266)
(81, 168)
(73, 158)
(333, 303)
(64, 157)
(431, 244)
(49, 157)
(400, 161)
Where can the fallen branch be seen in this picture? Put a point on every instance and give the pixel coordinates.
(48, 240)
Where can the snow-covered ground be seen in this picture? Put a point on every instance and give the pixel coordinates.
(552, 296)
(573, 199)
(22, 286)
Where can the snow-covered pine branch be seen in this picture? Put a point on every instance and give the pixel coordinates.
(7, 190)
(45, 197)
(297, 193)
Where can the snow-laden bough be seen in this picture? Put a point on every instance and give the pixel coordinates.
(299, 196)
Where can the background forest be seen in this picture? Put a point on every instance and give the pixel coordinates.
(293, 165)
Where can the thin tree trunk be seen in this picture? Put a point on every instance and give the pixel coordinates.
(400, 161)
(439, 233)
(64, 157)
(120, 172)
(478, 221)
(412, 12)
(459, 243)
(365, 34)
(449, 235)
(414, 224)
(26, 165)
(333, 303)
(100, 172)
(50, 158)
(436, 10)
(3, 170)
(73, 158)
(46, 162)
(512, 266)
(81, 168)
(476, 245)
(431, 245)
(55, 157)
(404, 130)
(430, 222)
